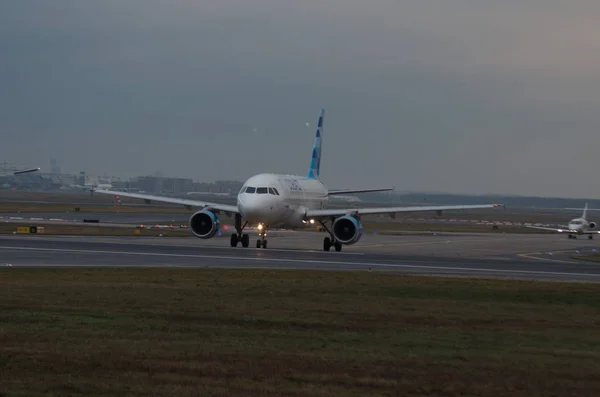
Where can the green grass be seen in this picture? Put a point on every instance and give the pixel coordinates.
(150, 332)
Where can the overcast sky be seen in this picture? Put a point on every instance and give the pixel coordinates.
(457, 96)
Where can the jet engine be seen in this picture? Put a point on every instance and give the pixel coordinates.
(592, 225)
(347, 230)
(204, 224)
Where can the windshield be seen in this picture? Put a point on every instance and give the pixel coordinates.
(262, 190)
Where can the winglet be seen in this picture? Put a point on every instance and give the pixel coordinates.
(315, 162)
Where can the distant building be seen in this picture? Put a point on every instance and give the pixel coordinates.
(154, 184)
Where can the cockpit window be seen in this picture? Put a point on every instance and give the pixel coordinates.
(271, 191)
(275, 191)
(262, 190)
(250, 189)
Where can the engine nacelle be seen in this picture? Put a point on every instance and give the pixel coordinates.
(592, 225)
(347, 230)
(204, 224)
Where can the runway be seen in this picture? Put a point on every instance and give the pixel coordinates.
(450, 255)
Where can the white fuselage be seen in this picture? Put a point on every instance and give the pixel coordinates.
(578, 225)
(276, 200)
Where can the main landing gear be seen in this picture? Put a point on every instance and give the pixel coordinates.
(239, 237)
(262, 234)
(330, 241)
(574, 236)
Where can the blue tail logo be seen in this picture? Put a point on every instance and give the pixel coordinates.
(315, 162)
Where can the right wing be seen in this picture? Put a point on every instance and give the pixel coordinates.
(228, 209)
(564, 230)
(392, 210)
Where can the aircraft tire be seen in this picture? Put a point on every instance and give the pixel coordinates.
(326, 244)
(338, 246)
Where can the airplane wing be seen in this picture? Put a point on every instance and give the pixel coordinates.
(26, 171)
(564, 230)
(20, 172)
(231, 209)
(392, 210)
(342, 192)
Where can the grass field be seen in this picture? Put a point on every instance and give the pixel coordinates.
(151, 332)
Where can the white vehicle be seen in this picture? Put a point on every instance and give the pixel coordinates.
(577, 226)
(290, 202)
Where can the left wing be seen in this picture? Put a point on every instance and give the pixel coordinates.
(229, 209)
(392, 210)
(342, 192)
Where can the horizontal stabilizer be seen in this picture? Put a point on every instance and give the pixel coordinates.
(342, 192)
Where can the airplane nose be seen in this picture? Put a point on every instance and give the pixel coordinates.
(257, 208)
(250, 208)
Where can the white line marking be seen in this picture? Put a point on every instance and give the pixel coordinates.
(156, 242)
(322, 262)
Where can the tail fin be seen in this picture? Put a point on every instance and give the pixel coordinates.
(584, 216)
(315, 162)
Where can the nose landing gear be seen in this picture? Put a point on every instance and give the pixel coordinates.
(262, 234)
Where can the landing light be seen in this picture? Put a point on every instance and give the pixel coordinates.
(312, 221)
(260, 226)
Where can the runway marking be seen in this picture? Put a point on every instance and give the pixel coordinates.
(323, 262)
(420, 243)
(532, 255)
(115, 240)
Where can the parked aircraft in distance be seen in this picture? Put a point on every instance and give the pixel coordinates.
(288, 201)
(577, 226)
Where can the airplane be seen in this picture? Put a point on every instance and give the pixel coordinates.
(22, 171)
(576, 226)
(271, 200)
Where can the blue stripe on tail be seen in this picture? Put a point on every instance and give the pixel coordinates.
(315, 162)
